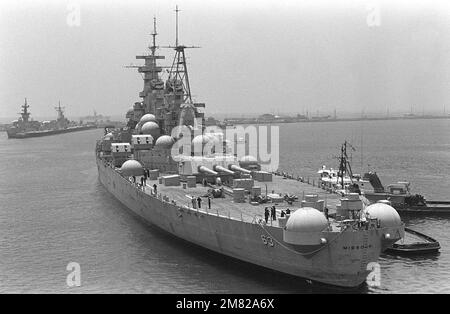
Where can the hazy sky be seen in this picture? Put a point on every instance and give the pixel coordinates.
(256, 56)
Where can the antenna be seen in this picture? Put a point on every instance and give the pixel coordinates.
(25, 114)
(154, 36)
(176, 26)
(178, 73)
(60, 109)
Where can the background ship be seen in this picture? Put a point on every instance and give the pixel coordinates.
(137, 165)
(24, 127)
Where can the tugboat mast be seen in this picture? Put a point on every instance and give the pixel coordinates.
(344, 164)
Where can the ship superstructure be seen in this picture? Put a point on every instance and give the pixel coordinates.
(25, 115)
(24, 123)
(61, 121)
(202, 194)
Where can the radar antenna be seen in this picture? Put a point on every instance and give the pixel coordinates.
(153, 47)
(176, 27)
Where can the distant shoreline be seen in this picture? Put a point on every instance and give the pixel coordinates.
(238, 121)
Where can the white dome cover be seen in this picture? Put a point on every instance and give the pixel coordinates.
(147, 118)
(387, 215)
(151, 128)
(214, 137)
(200, 140)
(132, 167)
(307, 219)
(165, 141)
(204, 144)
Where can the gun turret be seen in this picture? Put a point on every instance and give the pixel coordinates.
(222, 169)
(206, 170)
(237, 168)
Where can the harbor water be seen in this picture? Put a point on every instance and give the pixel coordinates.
(54, 211)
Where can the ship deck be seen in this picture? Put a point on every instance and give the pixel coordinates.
(247, 211)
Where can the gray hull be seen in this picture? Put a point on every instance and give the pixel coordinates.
(47, 132)
(343, 262)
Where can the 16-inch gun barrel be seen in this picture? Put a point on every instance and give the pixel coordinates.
(222, 169)
(206, 170)
(237, 168)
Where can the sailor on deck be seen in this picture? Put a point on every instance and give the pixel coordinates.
(266, 214)
(273, 213)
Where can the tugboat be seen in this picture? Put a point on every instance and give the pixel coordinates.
(164, 167)
(414, 243)
(340, 181)
(399, 196)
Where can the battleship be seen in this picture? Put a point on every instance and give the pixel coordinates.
(227, 203)
(24, 127)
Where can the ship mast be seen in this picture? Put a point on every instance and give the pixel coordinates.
(344, 164)
(60, 111)
(153, 47)
(170, 101)
(25, 114)
(178, 97)
(152, 93)
(178, 73)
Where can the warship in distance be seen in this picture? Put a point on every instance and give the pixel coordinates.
(24, 127)
(140, 167)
